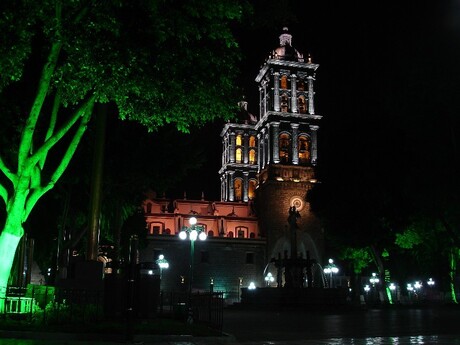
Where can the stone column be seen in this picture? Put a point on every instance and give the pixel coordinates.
(231, 185)
(275, 139)
(311, 103)
(232, 147)
(276, 91)
(245, 186)
(261, 99)
(293, 93)
(314, 144)
(295, 143)
(245, 148)
(259, 152)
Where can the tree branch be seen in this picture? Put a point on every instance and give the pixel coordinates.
(43, 87)
(4, 194)
(52, 124)
(54, 139)
(8, 173)
(39, 192)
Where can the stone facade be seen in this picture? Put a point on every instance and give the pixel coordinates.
(268, 167)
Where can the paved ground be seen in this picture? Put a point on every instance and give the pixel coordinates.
(294, 325)
(250, 327)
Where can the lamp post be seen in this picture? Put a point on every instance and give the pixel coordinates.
(191, 233)
(331, 269)
(374, 280)
(162, 263)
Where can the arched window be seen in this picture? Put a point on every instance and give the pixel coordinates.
(252, 189)
(284, 103)
(301, 104)
(241, 231)
(252, 141)
(284, 82)
(304, 149)
(239, 155)
(284, 147)
(238, 188)
(252, 156)
(239, 140)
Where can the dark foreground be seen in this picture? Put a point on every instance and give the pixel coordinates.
(264, 327)
(439, 325)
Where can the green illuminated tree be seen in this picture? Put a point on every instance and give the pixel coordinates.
(160, 62)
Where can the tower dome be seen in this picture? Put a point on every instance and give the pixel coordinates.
(286, 51)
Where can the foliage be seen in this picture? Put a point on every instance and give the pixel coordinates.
(154, 61)
(359, 257)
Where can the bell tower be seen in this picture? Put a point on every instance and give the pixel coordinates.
(287, 150)
(271, 159)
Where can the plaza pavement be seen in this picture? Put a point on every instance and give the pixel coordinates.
(262, 327)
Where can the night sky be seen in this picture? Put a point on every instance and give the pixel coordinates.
(388, 81)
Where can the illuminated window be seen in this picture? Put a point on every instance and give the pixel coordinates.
(284, 103)
(239, 155)
(252, 141)
(304, 149)
(284, 147)
(284, 82)
(301, 104)
(239, 140)
(238, 188)
(252, 156)
(252, 189)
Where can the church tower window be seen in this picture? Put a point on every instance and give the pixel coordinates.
(300, 85)
(285, 147)
(239, 140)
(238, 188)
(252, 156)
(239, 155)
(252, 141)
(302, 104)
(284, 103)
(304, 149)
(284, 82)
(252, 189)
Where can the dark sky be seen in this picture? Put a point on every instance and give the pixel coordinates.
(386, 68)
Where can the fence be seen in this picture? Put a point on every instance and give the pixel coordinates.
(49, 304)
(207, 307)
(56, 305)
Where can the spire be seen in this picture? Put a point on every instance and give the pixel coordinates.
(285, 37)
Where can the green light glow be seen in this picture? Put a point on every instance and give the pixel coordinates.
(390, 297)
(8, 245)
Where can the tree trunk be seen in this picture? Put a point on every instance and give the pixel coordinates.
(96, 184)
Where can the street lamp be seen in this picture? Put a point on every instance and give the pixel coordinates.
(162, 263)
(269, 278)
(331, 269)
(192, 233)
(374, 280)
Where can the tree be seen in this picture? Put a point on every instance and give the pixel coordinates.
(159, 62)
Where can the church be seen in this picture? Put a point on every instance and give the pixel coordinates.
(268, 167)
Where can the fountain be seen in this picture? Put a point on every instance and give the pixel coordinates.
(300, 281)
